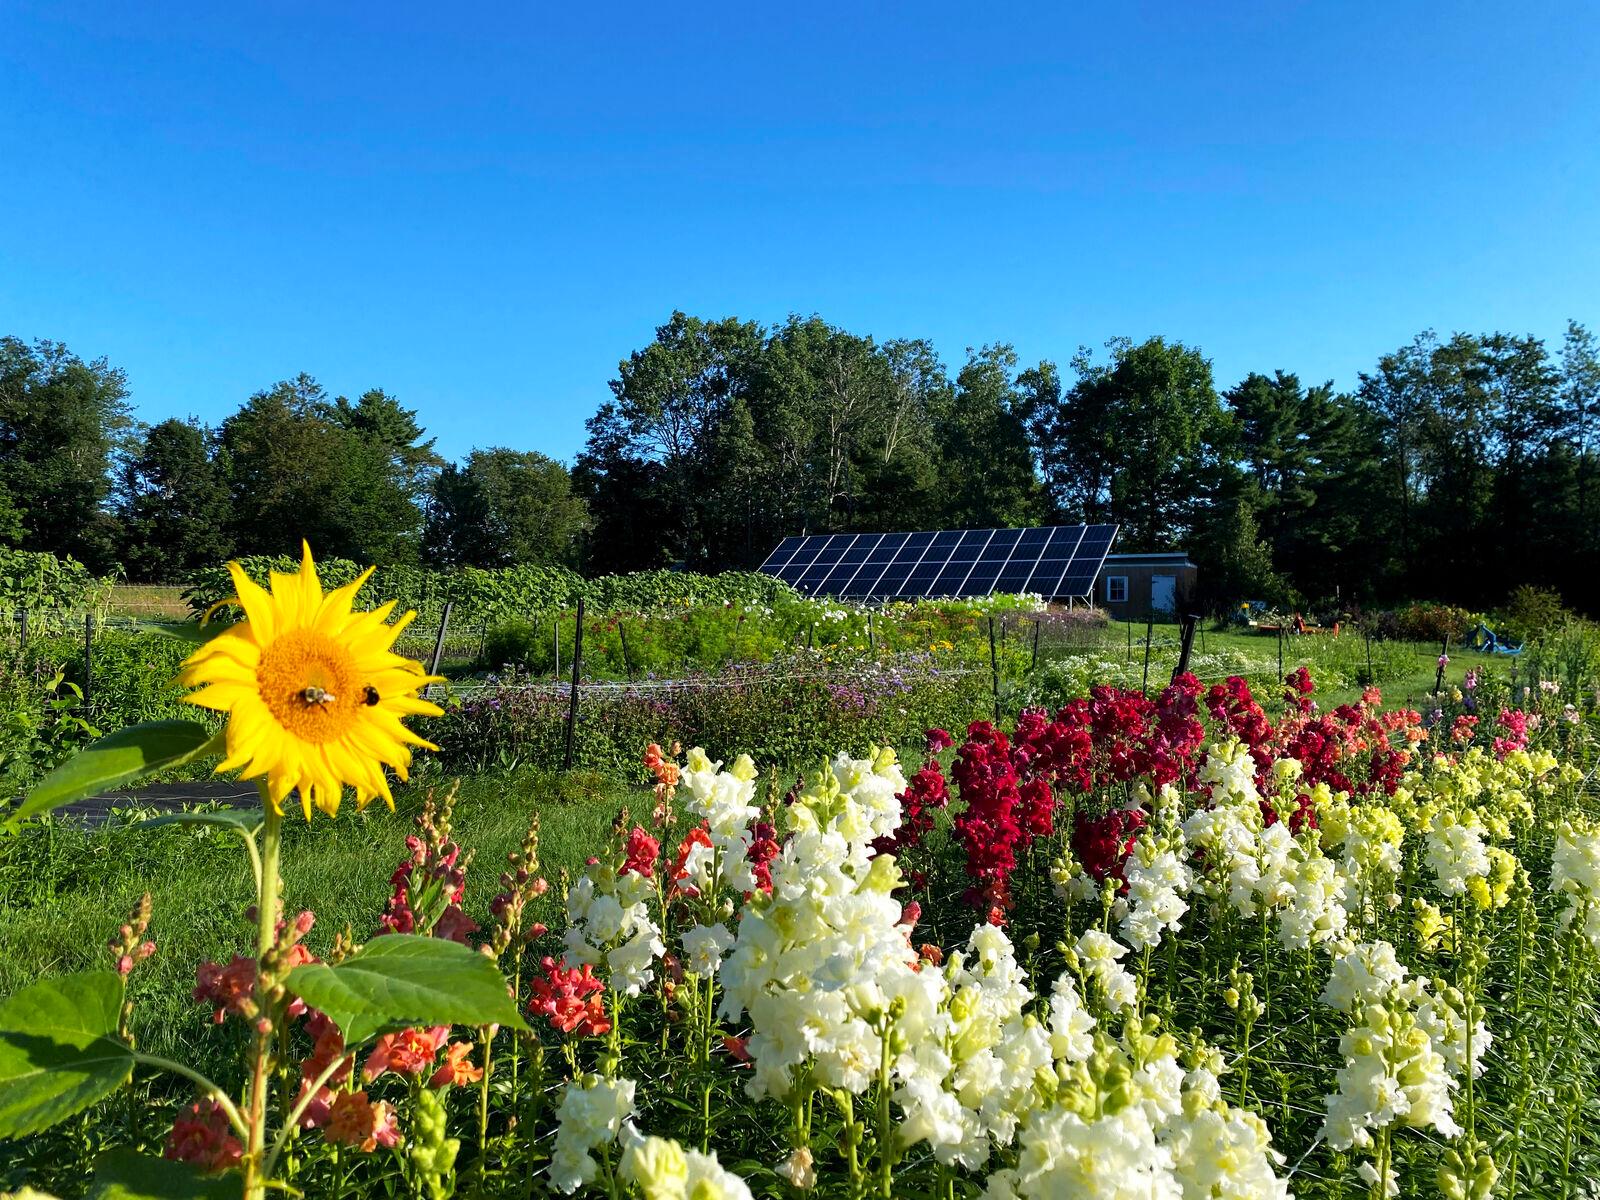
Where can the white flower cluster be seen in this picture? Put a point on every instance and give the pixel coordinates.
(974, 1084)
(1313, 911)
(823, 971)
(1575, 873)
(817, 964)
(725, 801)
(1255, 867)
(1097, 957)
(1394, 1071)
(1455, 850)
(703, 948)
(1227, 835)
(1370, 839)
(1158, 882)
(591, 1115)
(663, 1170)
(1129, 1123)
(609, 923)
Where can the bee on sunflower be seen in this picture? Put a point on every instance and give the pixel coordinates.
(314, 693)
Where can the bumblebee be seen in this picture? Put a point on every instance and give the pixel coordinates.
(314, 695)
(369, 696)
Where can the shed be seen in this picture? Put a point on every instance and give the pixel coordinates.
(1132, 587)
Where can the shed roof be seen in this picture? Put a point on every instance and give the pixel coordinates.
(1171, 558)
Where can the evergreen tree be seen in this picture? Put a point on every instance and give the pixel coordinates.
(62, 421)
(175, 503)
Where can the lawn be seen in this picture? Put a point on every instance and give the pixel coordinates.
(65, 889)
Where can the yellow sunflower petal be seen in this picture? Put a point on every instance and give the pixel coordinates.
(256, 602)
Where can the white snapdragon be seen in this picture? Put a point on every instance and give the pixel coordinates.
(1455, 850)
(1071, 1026)
(703, 948)
(590, 1116)
(1575, 873)
(1229, 772)
(662, 1169)
(1219, 1150)
(817, 964)
(1114, 1157)
(609, 924)
(1313, 912)
(725, 801)
(1099, 960)
(996, 1050)
(1226, 836)
(1158, 882)
(1442, 1016)
(1371, 850)
(1393, 1073)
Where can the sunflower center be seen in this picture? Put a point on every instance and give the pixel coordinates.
(311, 685)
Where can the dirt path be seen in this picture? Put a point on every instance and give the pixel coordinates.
(163, 797)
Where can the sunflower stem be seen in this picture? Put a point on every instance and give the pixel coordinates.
(266, 934)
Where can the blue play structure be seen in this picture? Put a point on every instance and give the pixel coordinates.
(1485, 641)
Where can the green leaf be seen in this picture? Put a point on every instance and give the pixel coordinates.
(401, 980)
(192, 632)
(120, 758)
(124, 1174)
(58, 1054)
(245, 821)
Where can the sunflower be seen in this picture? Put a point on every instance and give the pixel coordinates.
(313, 692)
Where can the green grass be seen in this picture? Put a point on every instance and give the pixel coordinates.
(64, 890)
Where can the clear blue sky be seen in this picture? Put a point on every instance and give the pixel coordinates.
(481, 207)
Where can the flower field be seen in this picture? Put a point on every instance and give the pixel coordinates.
(1207, 943)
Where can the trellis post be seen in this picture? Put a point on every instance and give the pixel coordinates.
(627, 660)
(577, 668)
(994, 669)
(438, 645)
(88, 657)
(1189, 622)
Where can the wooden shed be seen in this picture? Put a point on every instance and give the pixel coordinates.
(1132, 587)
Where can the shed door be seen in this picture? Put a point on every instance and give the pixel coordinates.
(1164, 593)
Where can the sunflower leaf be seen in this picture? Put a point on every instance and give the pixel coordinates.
(243, 821)
(58, 1050)
(124, 1174)
(192, 632)
(116, 760)
(400, 980)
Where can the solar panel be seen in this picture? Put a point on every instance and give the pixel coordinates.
(1055, 561)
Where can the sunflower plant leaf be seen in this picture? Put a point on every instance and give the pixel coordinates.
(116, 760)
(192, 632)
(401, 980)
(58, 1050)
(124, 1174)
(243, 821)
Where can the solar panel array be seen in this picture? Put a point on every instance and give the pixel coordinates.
(1059, 560)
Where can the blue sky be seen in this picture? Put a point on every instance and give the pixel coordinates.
(481, 208)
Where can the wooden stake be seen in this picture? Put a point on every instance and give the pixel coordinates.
(88, 658)
(438, 644)
(577, 669)
(627, 662)
(994, 669)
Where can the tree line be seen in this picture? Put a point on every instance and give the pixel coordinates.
(1456, 468)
